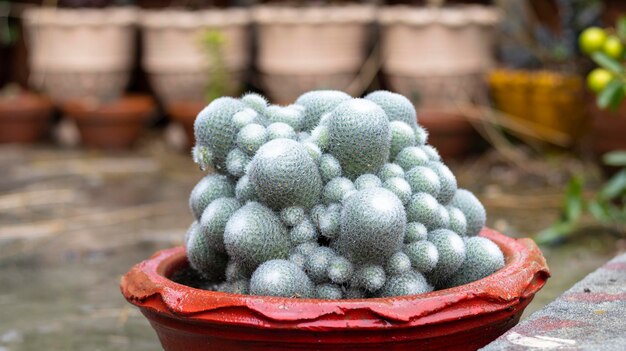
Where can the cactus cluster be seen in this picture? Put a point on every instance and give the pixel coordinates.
(332, 197)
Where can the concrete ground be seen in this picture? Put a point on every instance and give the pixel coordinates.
(589, 316)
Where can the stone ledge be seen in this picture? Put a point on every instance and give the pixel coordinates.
(589, 316)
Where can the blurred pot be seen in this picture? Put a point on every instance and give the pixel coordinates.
(608, 129)
(80, 53)
(24, 117)
(173, 56)
(307, 48)
(462, 318)
(450, 133)
(551, 101)
(437, 55)
(115, 125)
(185, 113)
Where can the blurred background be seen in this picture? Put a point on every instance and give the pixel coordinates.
(98, 99)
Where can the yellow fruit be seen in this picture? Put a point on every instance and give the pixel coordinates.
(613, 47)
(598, 79)
(592, 39)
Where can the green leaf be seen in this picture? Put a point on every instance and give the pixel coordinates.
(615, 158)
(605, 61)
(574, 201)
(620, 26)
(599, 211)
(615, 187)
(557, 232)
(612, 95)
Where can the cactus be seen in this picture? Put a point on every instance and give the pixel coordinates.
(289, 115)
(280, 130)
(483, 258)
(415, 231)
(425, 209)
(400, 187)
(410, 283)
(402, 136)
(329, 167)
(280, 278)
(423, 180)
(410, 157)
(236, 162)
(359, 137)
(423, 255)
(328, 291)
(285, 175)
(336, 189)
(292, 216)
(214, 129)
(370, 278)
(244, 190)
(255, 101)
(447, 179)
(473, 210)
(451, 249)
(203, 258)
(208, 189)
(372, 226)
(317, 264)
(398, 263)
(396, 106)
(367, 180)
(214, 219)
(254, 234)
(390, 170)
(340, 270)
(317, 103)
(329, 198)
(303, 232)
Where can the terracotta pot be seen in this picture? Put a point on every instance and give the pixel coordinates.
(115, 125)
(452, 134)
(174, 58)
(437, 55)
(307, 48)
(24, 118)
(608, 130)
(461, 318)
(80, 53)
(185, 113)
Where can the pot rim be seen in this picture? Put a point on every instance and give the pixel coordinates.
(524, 273)
(313, 15)
(127, 107)
(455, 16)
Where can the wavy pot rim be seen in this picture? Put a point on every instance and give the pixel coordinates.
(146, 285)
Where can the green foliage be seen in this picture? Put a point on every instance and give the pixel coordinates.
(213, 42)
(607, 206)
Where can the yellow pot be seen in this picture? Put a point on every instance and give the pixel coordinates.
(550, 101)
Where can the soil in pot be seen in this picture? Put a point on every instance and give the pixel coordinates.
(115, 125)
(24, 117)
(461, 318)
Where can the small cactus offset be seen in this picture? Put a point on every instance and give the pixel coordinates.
(332, 197)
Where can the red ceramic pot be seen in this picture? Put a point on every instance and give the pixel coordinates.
(24, 118)
(461, 318)
(111, 125)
